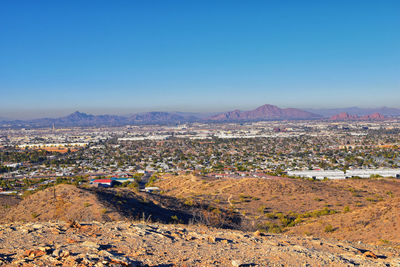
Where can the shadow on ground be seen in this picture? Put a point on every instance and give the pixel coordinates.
(163, 209)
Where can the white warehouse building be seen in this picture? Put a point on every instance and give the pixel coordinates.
(338, 174)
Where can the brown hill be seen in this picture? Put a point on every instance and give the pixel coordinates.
(68, 202)
(63, 202)
(356, 209)
(278, 204)
(366, 210)
(377, 224)
(265, 112)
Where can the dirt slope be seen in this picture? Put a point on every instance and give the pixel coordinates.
(68, 202)
(365, 209)
(138, 244)
(62, 202)
(376, 224)
(280, 194)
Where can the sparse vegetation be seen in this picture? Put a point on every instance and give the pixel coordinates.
(86, 204)
(329, 229)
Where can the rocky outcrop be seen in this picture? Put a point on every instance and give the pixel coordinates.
(142, 244)
(348, 117)
(374, 116)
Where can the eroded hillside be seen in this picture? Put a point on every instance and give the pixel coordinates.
(352, 209)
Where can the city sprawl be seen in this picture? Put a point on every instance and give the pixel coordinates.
(307, 149)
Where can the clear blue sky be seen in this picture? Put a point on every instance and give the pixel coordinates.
(129, 56)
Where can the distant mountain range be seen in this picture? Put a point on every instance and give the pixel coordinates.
(389, 112)
(79, 119)
(348, 117)
(265, 112)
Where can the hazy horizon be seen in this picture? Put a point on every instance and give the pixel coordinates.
(36, 114)
(196, 56)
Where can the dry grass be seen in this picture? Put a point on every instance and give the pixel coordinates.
(362, 209)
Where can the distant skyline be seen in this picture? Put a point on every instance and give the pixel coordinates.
(121, 57)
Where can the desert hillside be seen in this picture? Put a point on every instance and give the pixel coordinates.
(365, 210)
(379, 224)
(67, 202)
(197, 221)
(351, 209)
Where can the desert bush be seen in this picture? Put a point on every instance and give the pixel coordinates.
(329, 228)
(359, 204)
(189, 202)
(86, 204)
(307, 233)
(216, 218)
(175, 219)
(270, 227)
(244, 198)
(261, 209)
(318, 213)
(390, 193)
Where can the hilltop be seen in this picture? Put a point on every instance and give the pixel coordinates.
(207, 221)
(67, 202)
(357, 209)
(146, 244)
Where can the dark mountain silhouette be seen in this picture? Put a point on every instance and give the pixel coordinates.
(265, 112)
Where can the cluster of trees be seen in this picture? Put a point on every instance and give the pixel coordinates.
(31, 156)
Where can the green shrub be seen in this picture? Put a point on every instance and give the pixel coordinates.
(87, 204)
(390, 193)
(329, 228)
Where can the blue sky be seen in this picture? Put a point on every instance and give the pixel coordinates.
(130, 56)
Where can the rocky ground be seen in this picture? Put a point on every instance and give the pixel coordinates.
(144, 244)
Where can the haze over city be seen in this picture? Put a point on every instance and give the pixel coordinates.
(196, 56)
